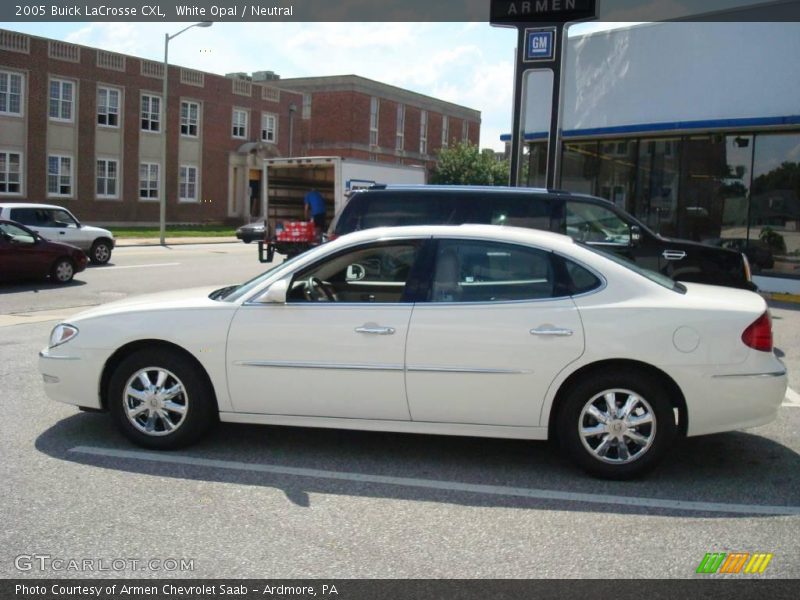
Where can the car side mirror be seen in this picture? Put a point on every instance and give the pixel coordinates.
(636, 235)
(276, 293)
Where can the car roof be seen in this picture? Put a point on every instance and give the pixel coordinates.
(500, 233)
(29, 205)
(492, 189)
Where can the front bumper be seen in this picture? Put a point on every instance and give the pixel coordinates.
(71, 377)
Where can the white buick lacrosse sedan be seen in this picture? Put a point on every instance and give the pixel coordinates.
(470, 330)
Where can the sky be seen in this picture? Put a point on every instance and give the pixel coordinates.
(471, 64)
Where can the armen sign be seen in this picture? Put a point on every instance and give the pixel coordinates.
(511, 12)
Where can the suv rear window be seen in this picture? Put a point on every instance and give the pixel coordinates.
(366, 211)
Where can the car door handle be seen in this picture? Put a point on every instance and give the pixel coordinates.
(551, 331)
(375, 330)
(674, 254)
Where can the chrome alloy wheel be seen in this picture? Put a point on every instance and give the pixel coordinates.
(155, 401)
(102, 253)
(617, 426)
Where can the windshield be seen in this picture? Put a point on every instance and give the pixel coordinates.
(653, 276)
(234, 292)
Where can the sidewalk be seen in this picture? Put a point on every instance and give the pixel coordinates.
(176, 241)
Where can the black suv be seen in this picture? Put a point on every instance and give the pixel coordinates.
(586, 219)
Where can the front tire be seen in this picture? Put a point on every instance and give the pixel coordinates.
(100, 253)
(62, 271)
(161, 400)
(616, 426)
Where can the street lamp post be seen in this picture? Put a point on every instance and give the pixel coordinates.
(162, 220)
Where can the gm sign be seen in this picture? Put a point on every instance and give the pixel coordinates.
(540, 45)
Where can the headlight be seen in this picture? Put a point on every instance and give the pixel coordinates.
(61, 334)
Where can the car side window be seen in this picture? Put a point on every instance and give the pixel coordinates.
(517, 211)
(593, 224)
(14, 234)
(581, 280)
(482, 271)
(371, 274)
(59, 218)
(395, 210)
(26, 216)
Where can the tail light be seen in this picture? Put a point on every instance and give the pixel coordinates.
(758, 335)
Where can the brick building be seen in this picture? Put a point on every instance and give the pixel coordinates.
(82, 127)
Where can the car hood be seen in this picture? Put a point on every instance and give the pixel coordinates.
(97, 231)
(60, 246)
(177, 299)
(252, 227)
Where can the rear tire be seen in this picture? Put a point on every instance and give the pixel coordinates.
(100, 253)
(620, 443)
(161, 400)
(62, 271)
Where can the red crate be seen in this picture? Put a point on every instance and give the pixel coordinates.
(296, 231)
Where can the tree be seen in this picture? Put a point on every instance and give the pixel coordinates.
(465, 164)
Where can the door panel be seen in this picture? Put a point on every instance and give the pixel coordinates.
(309, 360)
(481, 363)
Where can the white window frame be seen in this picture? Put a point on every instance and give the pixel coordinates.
(243, 125)
(423, 132)
(106, 178)
(306, 113)
(266, 128)
(445, 130)
(150, 114)
(400, 137)
(60, 175)
(150, 186)
(60, 101)
(184, 183)
(464, 130)
(7, 172)
(8, 75)
(188, 122)
(109, 91)
(374, 114)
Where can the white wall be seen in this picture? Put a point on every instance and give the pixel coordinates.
(671, 72)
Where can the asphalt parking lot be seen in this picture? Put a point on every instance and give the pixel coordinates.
(294, 502)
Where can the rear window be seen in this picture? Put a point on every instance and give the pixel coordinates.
(653, 276)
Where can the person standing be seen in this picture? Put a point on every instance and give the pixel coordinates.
(314, 209)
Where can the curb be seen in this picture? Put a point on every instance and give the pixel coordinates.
(784, 298)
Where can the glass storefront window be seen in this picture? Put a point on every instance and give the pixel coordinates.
(657, 184)
(774, 230)
(616, 177)
(579, 167)
(535, 164)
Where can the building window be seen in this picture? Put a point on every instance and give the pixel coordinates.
(464, 131)
(423, 132)
(401, 126)
(106, 178)
(108, 107)
(59, 175)
(148, 181)
(239, 127)
(151, 113)
(445, 130)
(306, 106)
(61, 99)
(187, 184)
(10, 93)
(269, 128)
(190, 117)
(373, 121)
(10, 173)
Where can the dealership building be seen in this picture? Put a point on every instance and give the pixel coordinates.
(692, 127)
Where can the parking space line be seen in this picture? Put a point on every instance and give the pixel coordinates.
(792, 398)
(442, 485)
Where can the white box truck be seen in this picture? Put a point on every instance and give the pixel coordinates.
(288, 180)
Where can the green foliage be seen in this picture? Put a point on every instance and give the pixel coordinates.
(774, 240)
(465, 164)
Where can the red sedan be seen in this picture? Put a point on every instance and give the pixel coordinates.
(26, 255)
